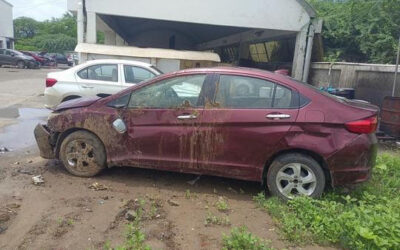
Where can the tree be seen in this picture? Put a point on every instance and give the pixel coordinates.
(25, 27)
(360, 30)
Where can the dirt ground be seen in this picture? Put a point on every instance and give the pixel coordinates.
(66, 212)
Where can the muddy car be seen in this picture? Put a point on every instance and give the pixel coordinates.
(238, 123)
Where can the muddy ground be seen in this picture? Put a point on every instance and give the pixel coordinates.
(68, 212)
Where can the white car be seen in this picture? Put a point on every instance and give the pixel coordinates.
(95, 78)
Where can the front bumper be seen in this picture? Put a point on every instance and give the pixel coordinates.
(43, 140)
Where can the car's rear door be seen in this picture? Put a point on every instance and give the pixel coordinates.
(100, 79)
(243, 124)
(162, 123)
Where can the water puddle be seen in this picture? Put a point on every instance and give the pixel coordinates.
(20, 135)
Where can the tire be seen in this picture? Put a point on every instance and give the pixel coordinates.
(295, 174)
(21, 64)
(83, 154)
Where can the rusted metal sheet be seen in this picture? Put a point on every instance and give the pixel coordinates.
(390, 116)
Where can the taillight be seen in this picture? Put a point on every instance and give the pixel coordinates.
(50, 82)
(365, 126)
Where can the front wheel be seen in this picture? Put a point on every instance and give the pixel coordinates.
(295, 174)
(83, 154)
(21, 64)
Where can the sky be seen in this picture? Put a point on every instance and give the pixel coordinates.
(39, 9)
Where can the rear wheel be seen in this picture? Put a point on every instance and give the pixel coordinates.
(83, 154)
(295, 174)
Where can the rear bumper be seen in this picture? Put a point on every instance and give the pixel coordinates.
(43, 140)
(52, 98)
(353, 164)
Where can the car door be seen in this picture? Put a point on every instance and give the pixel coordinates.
(133, 74)
(161, 121)
(243, 123)
(99, 80)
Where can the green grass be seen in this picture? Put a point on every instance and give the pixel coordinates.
(212, 219)
(367, 218)
(241, 239)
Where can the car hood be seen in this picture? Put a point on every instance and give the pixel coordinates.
(77, 103)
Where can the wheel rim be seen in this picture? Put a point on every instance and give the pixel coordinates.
(296, 179)
(80, 155)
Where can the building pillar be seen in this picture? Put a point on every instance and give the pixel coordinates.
(299, 54)
(91, 31)
(119, 41)
(110, 37)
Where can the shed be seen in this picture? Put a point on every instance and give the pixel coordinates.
(258, 33)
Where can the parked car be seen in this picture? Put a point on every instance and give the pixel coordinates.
(60, 58)
(232, 122)
(37, 58)
(16, 58)
(95, 78)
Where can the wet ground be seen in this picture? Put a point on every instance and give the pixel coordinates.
(68, 212)
(19, 135)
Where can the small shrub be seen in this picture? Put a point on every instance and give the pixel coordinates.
(241, 239)
(215, 220)
(222, 205)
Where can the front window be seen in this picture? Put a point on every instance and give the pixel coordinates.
(136, 75)
(100, 72)
(183, 91)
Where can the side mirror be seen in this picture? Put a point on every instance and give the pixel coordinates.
(12, 54)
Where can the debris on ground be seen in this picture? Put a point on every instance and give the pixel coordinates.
(37, 180)
(192, 182)
(98, 187)
(13, 206)
(4, 217)
(131, 215)
(173, 203)
(4, 150)
(23, 171)
(2, 229)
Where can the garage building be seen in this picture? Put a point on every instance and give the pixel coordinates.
(269, 34)
(6, 25)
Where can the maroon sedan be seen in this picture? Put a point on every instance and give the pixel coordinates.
(233, 122)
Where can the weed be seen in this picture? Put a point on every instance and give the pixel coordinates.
(241, 239)
(222, 205)
(369, 218)
(188, 195)
(215, 220)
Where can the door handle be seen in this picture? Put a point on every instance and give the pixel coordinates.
(278, 116)
(186, 117)
(87, 87)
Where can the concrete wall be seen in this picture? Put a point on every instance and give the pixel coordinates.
(6, 22)
(372, 82)
(262, 14)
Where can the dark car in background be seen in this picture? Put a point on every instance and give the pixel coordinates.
(233, 122)
(60, 58)
(16, 58)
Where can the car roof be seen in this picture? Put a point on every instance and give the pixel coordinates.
(233, 70)
(138, 63)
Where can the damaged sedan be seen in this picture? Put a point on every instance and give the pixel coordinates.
(238, 123)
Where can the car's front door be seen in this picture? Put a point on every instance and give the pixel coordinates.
(99, 80)
(162, 123)
(241, 126)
